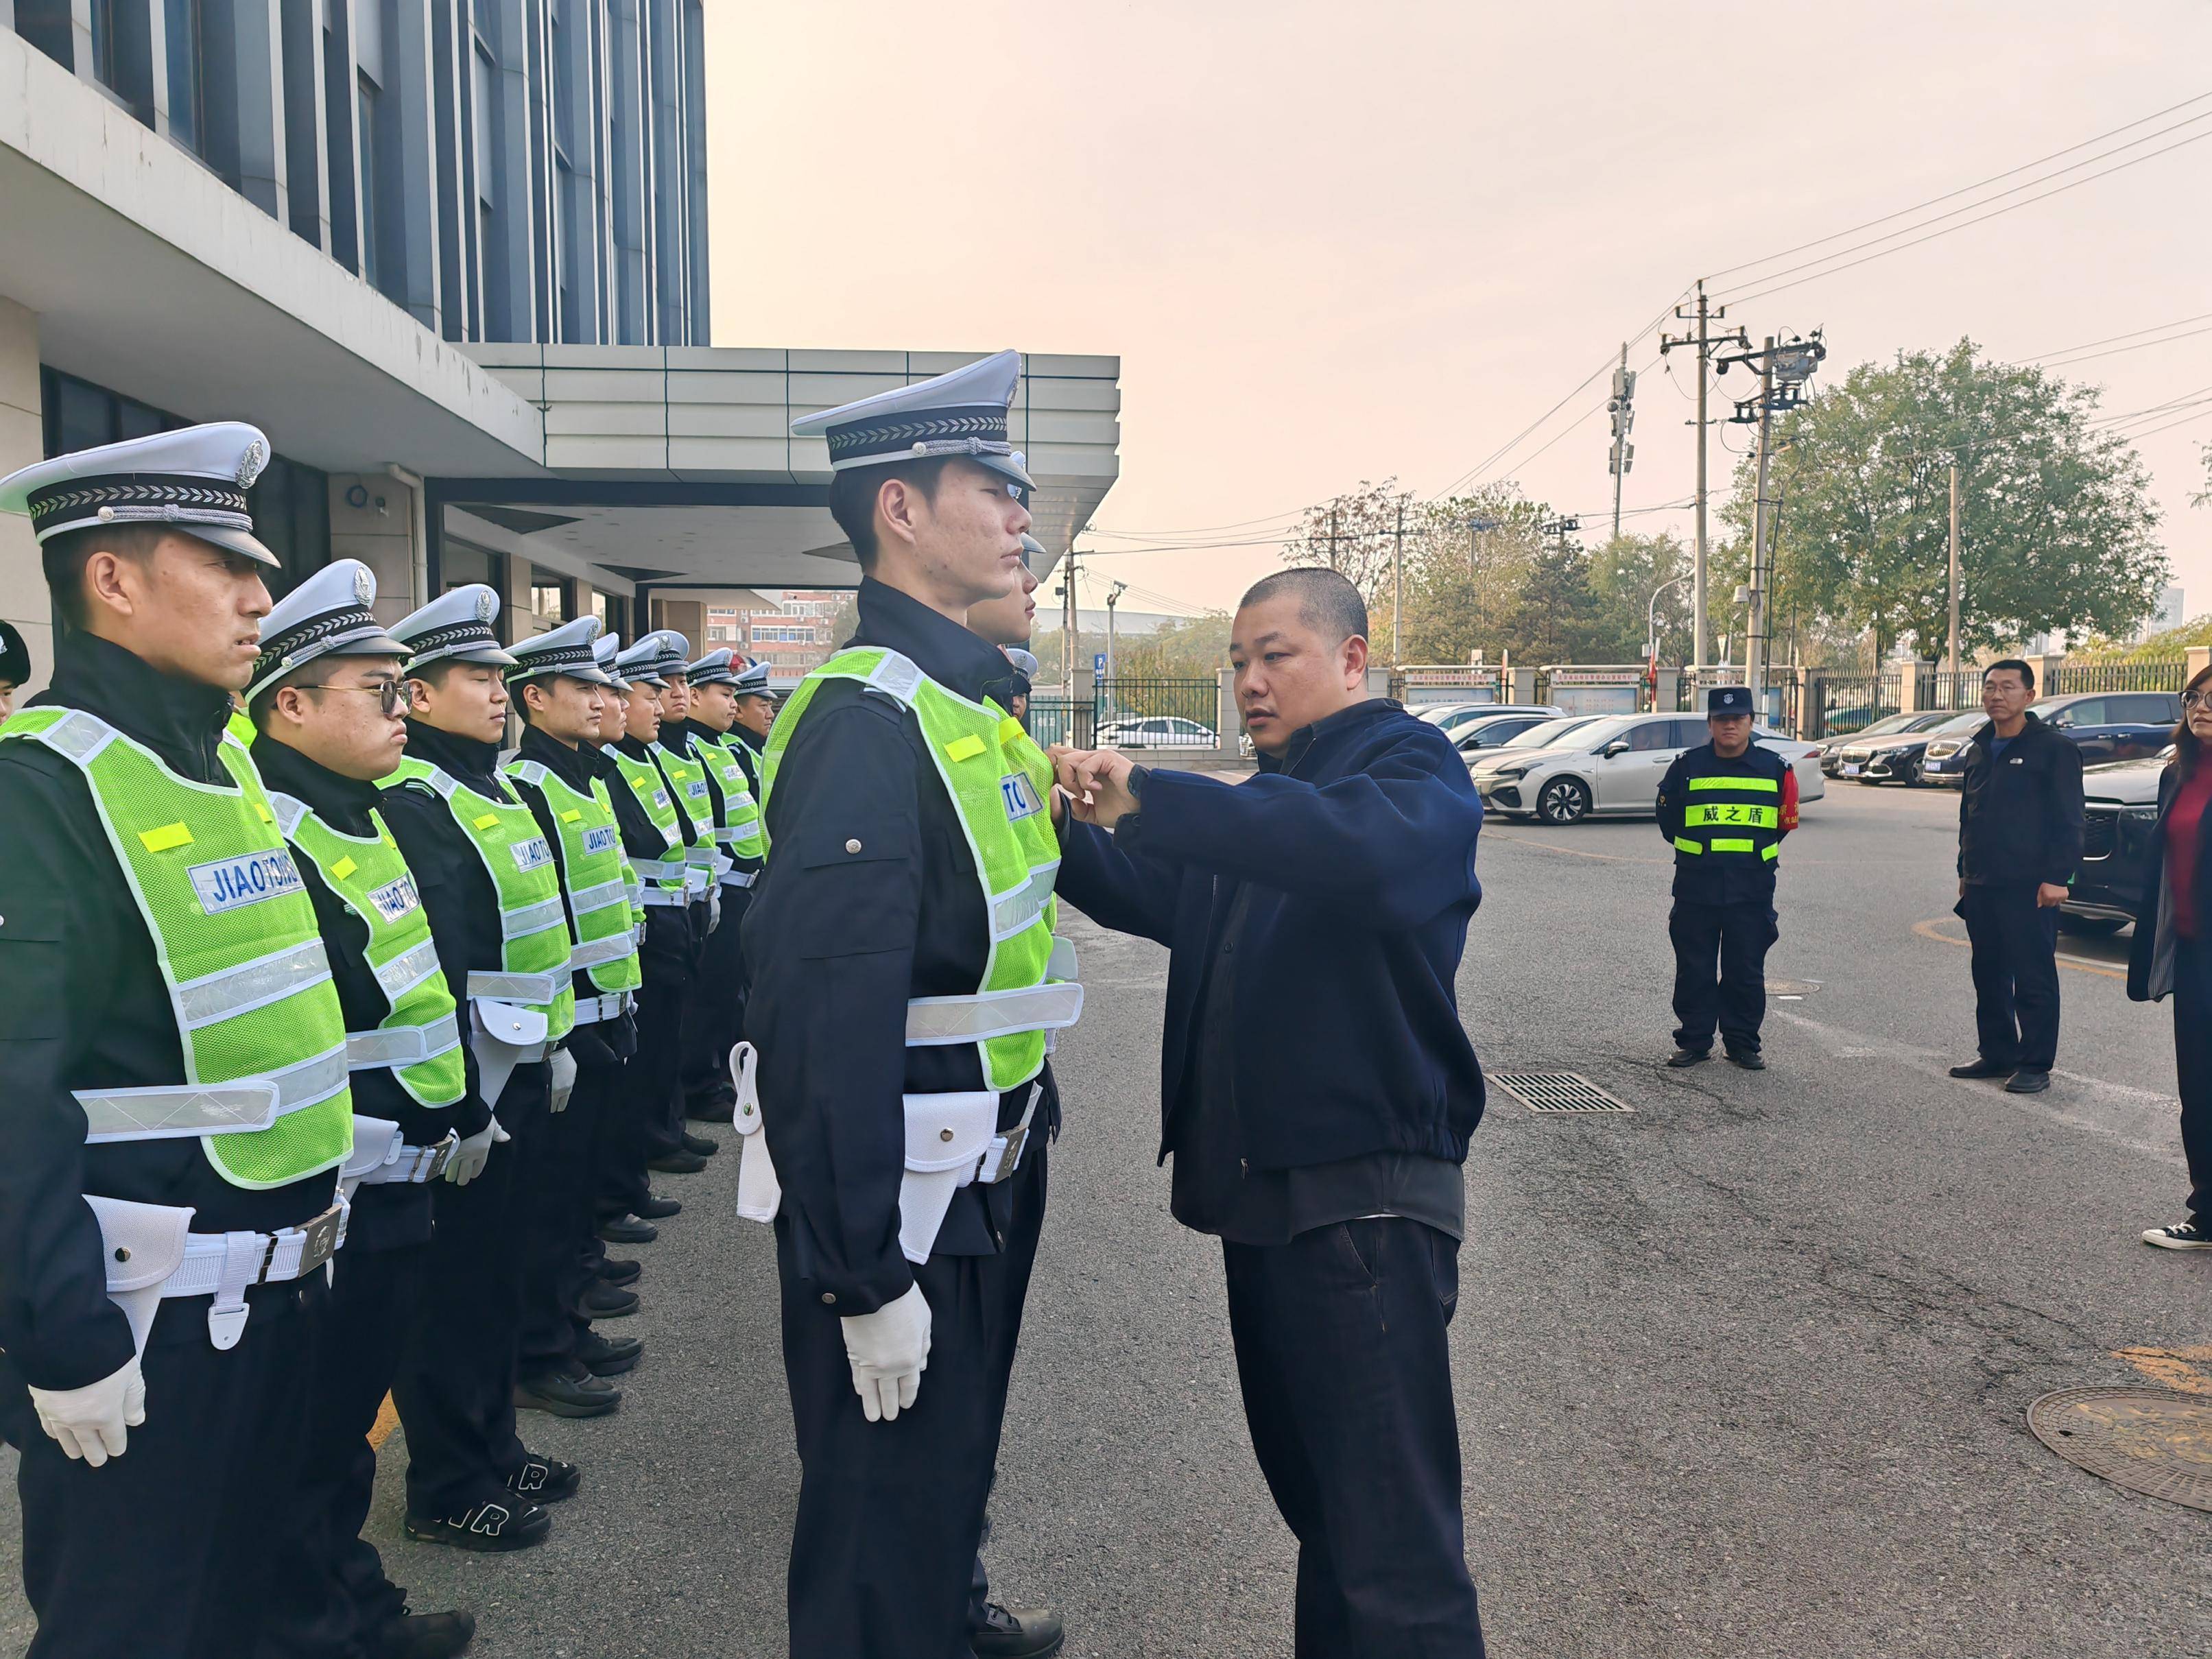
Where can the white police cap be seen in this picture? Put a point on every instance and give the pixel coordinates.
(455, 626)
(674, 654)
(959, 414)
(328, 614)
(751, 681)
(712, 669)
(193, 479)
(604, 650)
(640, 664)
(1040, 559)
(1024, 662)
(568, 649)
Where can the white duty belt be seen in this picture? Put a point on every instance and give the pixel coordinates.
(381, 1158)
(153, 1254)
(402, 1045)
(504, 1030)
(590, 1011)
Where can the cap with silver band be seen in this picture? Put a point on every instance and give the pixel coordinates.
(328, 614)
(1025, 665)
(1041, 560)
(604, 650)
(567, 650)
(713, 669)
(675, 653)
(193, 480)
(751, 681)
(640, 664)
(455, 627)
(956, 415)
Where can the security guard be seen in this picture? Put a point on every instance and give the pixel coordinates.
(564, 696)
(1724, 807)
(906, 979)
(489, 880)
(175, 1056)
(708, 1095)
(327, 701)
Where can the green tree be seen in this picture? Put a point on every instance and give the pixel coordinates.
(1556, 618)
(1624, 575)
(2056, 520)
(1188, 648)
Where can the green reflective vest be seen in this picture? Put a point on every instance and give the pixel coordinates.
(1729, 816)
(419, 1038)
(664, 877)
(738, 832)
(687, 782)
(533, 924)
(591, 867)
(234, 932)
(998, 781)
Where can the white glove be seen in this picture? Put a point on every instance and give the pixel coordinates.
(888, 1350)
(714, 909)
(474, 1151)
(90, 1422)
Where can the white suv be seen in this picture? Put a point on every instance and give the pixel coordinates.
(1611, 768)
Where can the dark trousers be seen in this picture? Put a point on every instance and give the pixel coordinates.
(650, 1095)
(718, 1012)
(890, 1513)
(561, 1201)
(2015, 955)
(329, 1591)
(2192, 1060)
(1023, 1227)
(1739, 936)
(455, 1387)
(1342, 1352)
(163, 1552)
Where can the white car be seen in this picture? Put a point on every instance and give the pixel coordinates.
(1158, 732)
(1611, 768)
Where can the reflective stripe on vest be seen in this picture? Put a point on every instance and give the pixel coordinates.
(687, 788)
(418, 1038)
(533, 924)
(739, 831)
(234, 933)
(592, 868)
(1731, 815)
(652, 792)
(997, 790)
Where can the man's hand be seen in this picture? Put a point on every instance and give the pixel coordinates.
(2049, 894)
(1097, 783)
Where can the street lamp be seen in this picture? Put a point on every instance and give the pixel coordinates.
(1113, 598)
(1651, 634)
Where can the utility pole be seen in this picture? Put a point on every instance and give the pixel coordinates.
(1705, 341)
(1622, 407)
(1071, 634)
(1398, 592)
(1113, 599)
(1754, 618)
(1952, 654)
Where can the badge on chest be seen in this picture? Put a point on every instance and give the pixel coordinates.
(1020, 796)
(233, 883)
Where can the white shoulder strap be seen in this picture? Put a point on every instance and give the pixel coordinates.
(289, 808)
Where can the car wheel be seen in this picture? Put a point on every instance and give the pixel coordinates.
(1562, 800)
(2089, 927)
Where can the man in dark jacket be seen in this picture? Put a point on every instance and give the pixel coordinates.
(1341, 879)
(2019, 837)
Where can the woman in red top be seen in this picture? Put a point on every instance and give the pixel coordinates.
(2172, 950)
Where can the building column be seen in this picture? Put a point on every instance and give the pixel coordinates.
(373, 519)
(22, 441)
(1228, 723)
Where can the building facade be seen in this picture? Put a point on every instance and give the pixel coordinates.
(798, 635)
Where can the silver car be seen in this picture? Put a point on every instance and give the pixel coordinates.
(1611, 768)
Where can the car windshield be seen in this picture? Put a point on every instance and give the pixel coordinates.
(1885, 724)
(1551, 731)
(1959, 726)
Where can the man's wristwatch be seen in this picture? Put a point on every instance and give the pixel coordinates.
(1137, 775)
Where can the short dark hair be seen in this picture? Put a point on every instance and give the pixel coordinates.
(518, 698)
(1329, 602)
(65, 556)
(258, 709)
(852, 499)
(2027, 672)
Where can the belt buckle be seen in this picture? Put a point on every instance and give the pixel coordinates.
(322, 1239)
(439, 1157)
(1006, 1156)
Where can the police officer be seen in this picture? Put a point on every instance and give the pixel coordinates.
(905, 982)
(749, 727)
(1724, 807)
(489, 880)
(708, 1095)
(564, 696)
(327, 703)
(175, 1056)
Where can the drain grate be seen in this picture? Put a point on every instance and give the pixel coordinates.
(2154, 1440)
(1558, 1091)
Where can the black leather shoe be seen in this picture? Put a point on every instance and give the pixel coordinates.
(654, 1207)
(680, 1162)
(714, 1109)
(1016, 1633)
(615, 1271)
(700, 1146)
(2028, 1080)
(627, 1229)
(1983, 1068)
(608, 1356)
(606, 1302)
(492, 1526)
(1750, 1059)
(545, 1479)
(566, 1395)
(424, 1636)
(1682, 1057)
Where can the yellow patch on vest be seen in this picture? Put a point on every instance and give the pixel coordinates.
(571, 815)
(961, 748)
(262, 807)
(1009, 729)
(486, 820)
(344, 867)
(168, 835)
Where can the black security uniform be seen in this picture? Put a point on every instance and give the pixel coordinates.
(2020, 826)
(161, 1553)
(870, 899)
(1725, 820)
(455, 1390)
(333, 1594)
(654, 1083)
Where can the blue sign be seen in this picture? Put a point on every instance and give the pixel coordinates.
(1098, 665)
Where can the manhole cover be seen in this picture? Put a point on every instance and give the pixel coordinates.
(2150, 1440)
(1789, 990)
(1557, 1091)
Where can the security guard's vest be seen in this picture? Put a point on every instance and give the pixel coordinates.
(1731, 815)
(533, 926)
(694, 799)
(664, 877)
(419, 1038)
(999, 792)
(234, 933)
(591, 864)
(739, 831)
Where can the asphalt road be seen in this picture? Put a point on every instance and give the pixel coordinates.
(1743, 1373)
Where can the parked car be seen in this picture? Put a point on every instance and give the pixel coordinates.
(1494, 731)
(1831, 750)
(2108, 726)
(2119, 810)
(1157, 731)
(1537, 737)
(1897, 757)
(1611, 768)
(1453, 716)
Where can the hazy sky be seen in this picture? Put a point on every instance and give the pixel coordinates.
(1331, 243)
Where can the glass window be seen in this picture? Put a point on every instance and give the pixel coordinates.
(1689, 734)
(553, 598)
(183, 46)
(1651, 735)
(2090, 711)
(2149, 708)
(372, 184)
(483, 120)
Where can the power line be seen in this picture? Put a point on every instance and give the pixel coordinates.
(2068, 351)
(2114, 351)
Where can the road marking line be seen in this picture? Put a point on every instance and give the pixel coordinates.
(2173, 1368)
(1575, 852)
(1929, 929)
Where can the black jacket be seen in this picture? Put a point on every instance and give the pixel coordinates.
(83, 1005)
(398, 1212)
(666, 950)
(594, 1043)
(1700, 879)
(1359, 851)
(2020, 818)
(869, 897)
